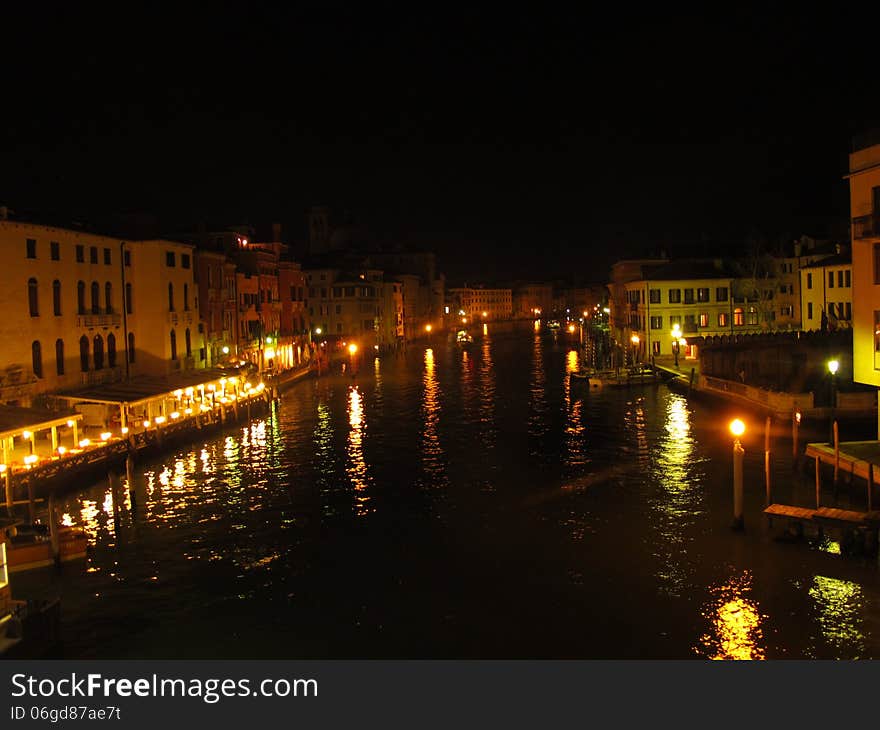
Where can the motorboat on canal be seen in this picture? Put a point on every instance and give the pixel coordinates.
(30, 546)
(464, 339)
(623, 378)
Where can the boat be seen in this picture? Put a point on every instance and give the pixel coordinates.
(30, 546)
(639, 375)
(581, 375)
(28, 629)
(464, 339)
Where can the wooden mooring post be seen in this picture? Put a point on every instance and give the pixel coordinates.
(818, 481)
(795, 427)
(767, 460)
(836, 452)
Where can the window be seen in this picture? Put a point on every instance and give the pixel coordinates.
(186, 297)
(84, 353)
(654, 296)
(173, 345)
(80, 254)
(107, 257)
(126, 258)
(56, 297)
(656, 323)
(54, 251)
(130, 352)
(96, 298)
(37, 358)
(830, 279)
(722, 319)
(674, 319)
(688, 296)
(31, 248)
(809, 310)
(93, 254)
(840, 278)
(690, 323)
(721, 294)
(99, 352)
(169, 259)
(108, 298)
(33, 298)
(847, 278)
(59, 357)
(338, 309)
(171, 299)
(783, 289)
(128, 298)
(752, 315)
(184, 260)
(188, 342)
(738, 317)
(80, 297)
(675, 296)
(810, 280)
(848, 313)
(703, 294)
(111, 350)
(704, 319)
(655, 347)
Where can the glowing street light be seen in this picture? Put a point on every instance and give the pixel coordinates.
(737, 428)
(318, 330)
(676, 341)
(428, 328)
(225, 349)
(833, 366)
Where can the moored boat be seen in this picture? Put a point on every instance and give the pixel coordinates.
(30, 547)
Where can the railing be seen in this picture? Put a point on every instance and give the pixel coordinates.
(98, 320)
(185, 317)
(104, 375)
(866, 226)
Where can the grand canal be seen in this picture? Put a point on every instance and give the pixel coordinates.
(451, 503)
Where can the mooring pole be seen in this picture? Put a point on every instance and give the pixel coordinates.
(836, 452)
(767, 460)
(738, 452)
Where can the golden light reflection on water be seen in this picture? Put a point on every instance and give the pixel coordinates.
(537, 392)
(574, 426)
(431, 450)
(839, 605)
(357, 465)
(735, 622)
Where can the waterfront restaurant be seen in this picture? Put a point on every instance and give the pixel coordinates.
(20, 428)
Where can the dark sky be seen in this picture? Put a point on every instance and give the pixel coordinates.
(515, 141)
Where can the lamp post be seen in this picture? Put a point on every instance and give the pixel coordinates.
(352, 351)
(635, 343)
(737, 428)
(676, 338)
(833, 366)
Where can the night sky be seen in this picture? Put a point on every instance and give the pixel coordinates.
(514, 142)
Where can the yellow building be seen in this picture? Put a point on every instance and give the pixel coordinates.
(864, 191)
(64, 323)
(826, 293)
(481, 303)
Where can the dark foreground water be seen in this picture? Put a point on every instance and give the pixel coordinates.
(459, 504)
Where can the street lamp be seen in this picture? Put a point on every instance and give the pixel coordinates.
(737, 428)
(635, 342)
(833, 366)
(676, 338)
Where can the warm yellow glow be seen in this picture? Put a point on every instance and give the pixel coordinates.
(106, 436)
(318, 330)
(352, 348)
(585, 314)
(160, 419)
(225, 350)
(464, 320)
(247, 386)
(735, 622)
(261, 386)
(62, 450)
(428, 328)
(356, 410)
(833, 365)
(606, 310)
(268, 340)
(31, 459)
(84, 443)
(26, 434)
(212, 388)
(2, 468)
(683, 342)
(634, 339)
(797, 416)
(146, 424)
(537, 324)
(175, 414)
(190, 391)
(70, 424)
(124, 430)
(269, 354)
(737, 427)
(485, 314)
(485, 329)
(571, 328)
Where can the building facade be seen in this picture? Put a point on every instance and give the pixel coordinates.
(826, 294)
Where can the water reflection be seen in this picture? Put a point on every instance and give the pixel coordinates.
(357, 465)
(678, 501)
(431, 450)
(575, 453)
(537, 423)
(839, 605)
(735, 622)
(487, 421)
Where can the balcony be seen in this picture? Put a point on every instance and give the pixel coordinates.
(98, 320)
(866, 226)
(182, 318)
(104, 375)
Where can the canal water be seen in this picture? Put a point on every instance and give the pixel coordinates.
(452, 503)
